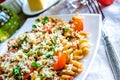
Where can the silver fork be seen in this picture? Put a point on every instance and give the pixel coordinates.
(113, 59)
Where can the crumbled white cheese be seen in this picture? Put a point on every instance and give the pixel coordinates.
(25, 45)
(24, 67)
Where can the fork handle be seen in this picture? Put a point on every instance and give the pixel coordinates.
(112, 57)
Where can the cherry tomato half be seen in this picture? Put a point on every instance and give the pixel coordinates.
(60, 63)
(105, 2)
(78, 25)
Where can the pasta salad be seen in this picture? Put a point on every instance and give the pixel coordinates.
(53, 50)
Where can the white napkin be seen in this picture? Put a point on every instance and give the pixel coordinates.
(100, 69)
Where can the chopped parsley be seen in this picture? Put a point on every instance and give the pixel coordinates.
(36, 51)
(52, 47)
(38, 20)
(41, 76)
(65, 29)
(45, 20)
(21, 41)
(35, 64)
(27, 54)
(41, 44)
(55, 37)
(33, 26)
(56, 30)
(49, 54)
(11, 47)
(17, 72)
(69, 37)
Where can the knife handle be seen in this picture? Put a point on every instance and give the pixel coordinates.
(113, 58)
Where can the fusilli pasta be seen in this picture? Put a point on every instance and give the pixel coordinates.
(53, 50)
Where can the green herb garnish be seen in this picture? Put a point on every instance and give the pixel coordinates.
(41, 44)
(11, 47)
(56, 30)
(35, 64)
(45, 20)
(27, 54)
(69, 37)
(49, 54)
(33, 26)
(17, 72)
(65, 29)
(36, 51)
(52, 47)
(55, 37)
(38, 20)
(41, 76)
(21, 41)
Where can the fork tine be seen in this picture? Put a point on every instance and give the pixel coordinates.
(90, 4)
(88, 7)
(100, 10)
(94, 7)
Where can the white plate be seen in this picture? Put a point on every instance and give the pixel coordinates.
(92, 24)
(27, 10)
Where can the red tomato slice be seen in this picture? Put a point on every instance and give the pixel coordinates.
(105, 2)
(13, 50)
(9, 42)
(60, 63)
(1, 78)
(46, 29)
(71, 78)
(78, 24)
(32, 69)
(26, 76)
(0, 72)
